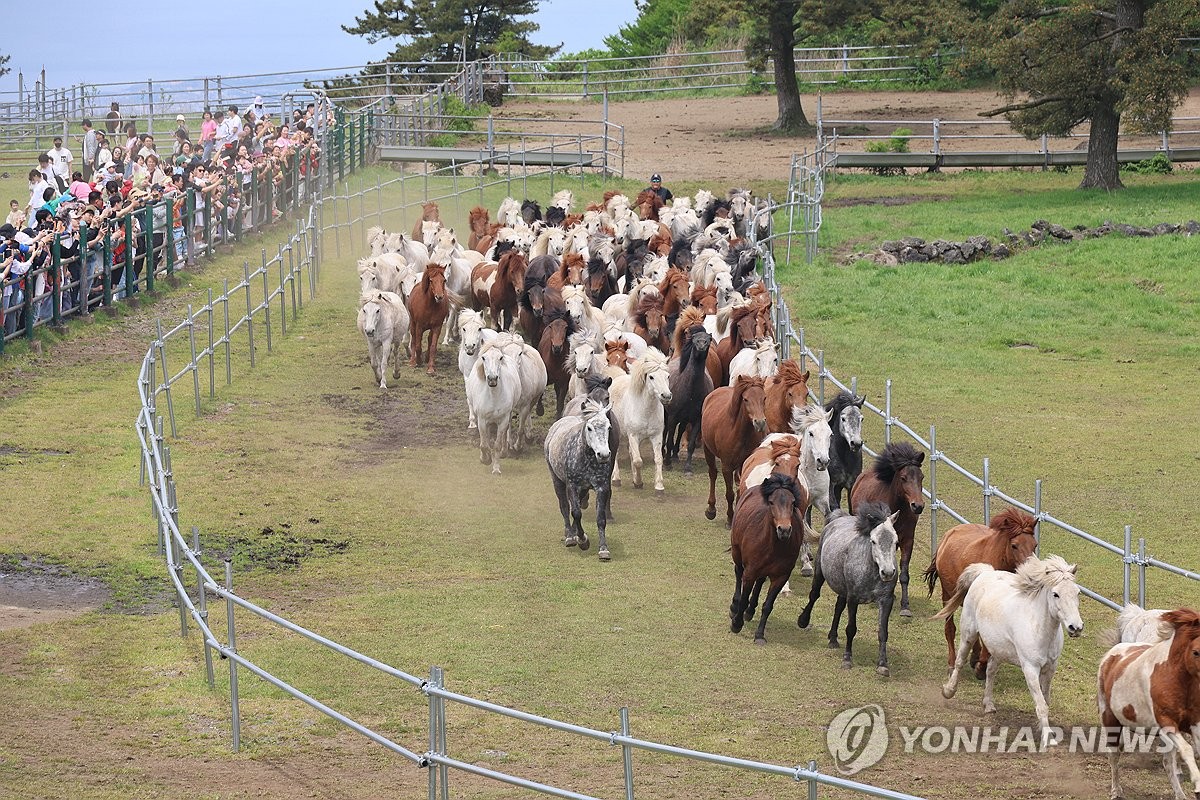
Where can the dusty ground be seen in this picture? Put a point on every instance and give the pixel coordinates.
(725, 139)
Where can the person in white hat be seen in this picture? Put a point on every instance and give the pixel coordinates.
(181, 129)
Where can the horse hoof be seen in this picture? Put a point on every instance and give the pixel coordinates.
(472, 427)
(846, 664)
(948, 691)
(711, 513)
(736, 625)
(760, 642)
(430, 372)
(904, 612)
(617, 482)
(805, 572)
(584, 543)
(749, 615)
(687, 473)
(833, 644)
(884, 671)
(570, 541)
(604, 555)
(637, 484)
(660, 493)
(802, 622)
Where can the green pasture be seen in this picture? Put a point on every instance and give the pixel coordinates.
(367, 516)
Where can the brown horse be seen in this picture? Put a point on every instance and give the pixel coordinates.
(556, 329)
(1005, 543)
(616, 355)
(788, 389)
(743, 328)
(731, 426)
(498, 287)
(428, 307)
(705, 299)
(896, 479)
(429, 213)
(660, 243)
(676, 297)
(599, 283)
(570, 272)
(650, 323)
(647, 204)
(765, 537)
(477, 219)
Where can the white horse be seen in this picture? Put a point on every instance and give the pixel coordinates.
(384, 272)
(706, 266)
(532, 372)
(1019, 616)
(493, 388)
(429, 232)
(583, 359)
(446, 251)
(760, 361)
(563, 199)
(376, 239)
(586, 317)
(415, 253)
(383, 322)
(1137, 624)
(685, 225)
(509, 212)
(654, 268)
(472, 335)
(577, 241)
(552, 241)
(704, 199)
(639, 400)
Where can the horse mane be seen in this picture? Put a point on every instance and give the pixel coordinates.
(569, 260)
(789, 373)
(839, 403)
(677, 247)
(430, 212)
(649, 302)
(739, 387)
(1013, 522)
(688, 319)
(804, 418)
(649, 361)
(895, 457)
(596, 264)
(555, 216)
(608, 195)
(777, 481)
(535, 210)
(1035, 574)
(869, 517)
(594, 382)
(674, 275)
(571, 220)
(784, 446)
(550, 315)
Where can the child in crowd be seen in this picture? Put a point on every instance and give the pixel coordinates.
(16, 217)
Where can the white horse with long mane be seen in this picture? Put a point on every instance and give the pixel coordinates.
(493, 389)
(586, 317)
(1020, 617)
(383, 321)
(759, 361)
(532, 371)
(472, 335)
(639, 400)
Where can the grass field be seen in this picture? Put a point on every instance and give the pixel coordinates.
(367, 516)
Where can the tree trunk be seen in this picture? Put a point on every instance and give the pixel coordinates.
(1102, 170)
(791, 114)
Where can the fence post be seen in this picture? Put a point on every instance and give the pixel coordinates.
(933, 501)
(444, 778)
(106, 264)
(1142, 572)
(233, 683)
(207, 105)
(812, 780)
(127, 273)
(937, 137)
(267, 300)
(148, 264)
(987, 491)
(162, 359)
(55, 283)
(887, 413)
(627, 754)
(1125, 564)
(202, 598)
(150, 106)
(585, 79)
(249, 312)
(433, 735)
(195, 365)
(1037, 514)
(821, 377)
(212, 353)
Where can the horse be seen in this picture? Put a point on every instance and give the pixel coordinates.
(639, 400)
(648, 203)
(744, 328)
(1145, 684)
(586, 317)
(531, 212)
(648, 322)
(732, 424)
(599, 282)
(556, 217)
(597, 387)
(493, 388)
(564, 199)
(383, 322)
(578, 455)
(897, 480)
(845, 456)
(472, 334)
(552, 241)
(582, 362)
(429, 213)
(765, 537)
(705, 299)
(616, 357)
(1005, 543)
(857, 556)
(690, 385)
(786, 390)
(1020, 616)
(428, 307)
(569, 273)
(557, 328)
(509, 212)
(498, 287)
(759, 360)
(531, 302)
(676, 297)
(1137, 624)
(478, 222)
(377, 240)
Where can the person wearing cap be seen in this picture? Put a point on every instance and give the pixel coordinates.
(181, 128)
(60, 163)
(656, 186)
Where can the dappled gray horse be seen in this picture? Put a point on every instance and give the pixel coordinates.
(845, 456)
(858, 559)
(579, 456)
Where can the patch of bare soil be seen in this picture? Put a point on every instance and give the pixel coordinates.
(32, 592)
(887, 202)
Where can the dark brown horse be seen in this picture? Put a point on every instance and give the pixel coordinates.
(896, 480)
(765, 537)
(429, 213)
(570, 272)
(788, 389)
(743, 329)
(428, 307)
(557, 328)
(1004, 543)
(647, 204)
(478, 220)
(532, 302)
(498, 287)
(650, 323)
(599, 282)
(690, 385)
(732, 425)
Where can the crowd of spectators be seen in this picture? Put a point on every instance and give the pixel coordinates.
(240, 169)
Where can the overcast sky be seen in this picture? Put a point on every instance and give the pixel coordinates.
(228, 37)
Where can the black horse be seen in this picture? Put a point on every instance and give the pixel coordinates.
(845, 456)
(690, 384)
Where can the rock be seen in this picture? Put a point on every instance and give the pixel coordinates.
(892, 247)
(913, 242)
(1040, 225)
(1059, 232)
(1128, 230)
(929, 251)
(912, 255)
(967, 250)
(1001, 251)
(1191, 227)
(886, 259)
(981, 243)
(953, 256)
(1163, 228)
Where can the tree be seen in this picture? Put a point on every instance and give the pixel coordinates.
(1094, 61)
(450, 30)
(774, 36)
(4, 69)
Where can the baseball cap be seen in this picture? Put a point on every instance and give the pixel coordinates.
(180, 118)
(58, 140)
(656, 178)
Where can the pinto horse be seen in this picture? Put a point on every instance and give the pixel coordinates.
(557, 329)
(732, 424)
(498, 288)
(429, 213)
(896, 480)
(765, 536)
(428, 307)
(786, 391)
(1005, 543)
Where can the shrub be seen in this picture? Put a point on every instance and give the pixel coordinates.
(1158, 164)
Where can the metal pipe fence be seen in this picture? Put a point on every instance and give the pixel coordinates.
(805, 192)
(333, 211)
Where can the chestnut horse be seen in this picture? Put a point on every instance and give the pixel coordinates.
(570, 272)
(647, 204)
(428, 307)
(649, 322)
(896, 479)
(1004, 543)
(616, 356)
(429, 213)
(498, 288)
(705, 299)
(557, 328)
(732, 424)
(765, 538)
(743, 329)
(787, 390)
(477, 220)
(675, 293)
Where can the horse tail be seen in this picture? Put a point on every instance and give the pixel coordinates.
(964, 585)
(931, 575)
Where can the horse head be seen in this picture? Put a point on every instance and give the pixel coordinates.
(595, 433)
(572, 269)
(699, 340)
(369, 313)
(1019, 530)
(653, 371)
(578, 306)
(850, 421)
(431, 233)
(470, 330)
(782, 495)
(617, 354)
(556, 331)
(491, 360)
(556, 240)
(884, 541)
(435, 281)
(912, 480)
(674, 287)
(1063, 596)
(753, 401)
(582, 355)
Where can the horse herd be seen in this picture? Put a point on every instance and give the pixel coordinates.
(652, 324)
